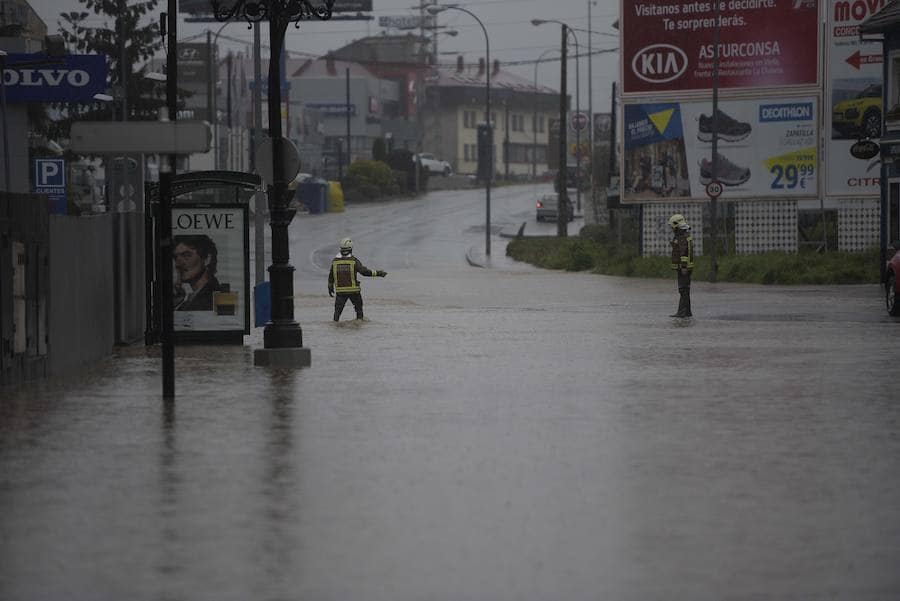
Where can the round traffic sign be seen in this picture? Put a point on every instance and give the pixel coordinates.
(714, 189)
(579, 120)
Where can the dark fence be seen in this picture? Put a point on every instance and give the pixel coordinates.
(24, 287)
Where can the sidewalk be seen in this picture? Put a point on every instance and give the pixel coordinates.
(476, 257)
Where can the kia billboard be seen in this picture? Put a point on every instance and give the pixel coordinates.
(764, 149)
(669, 45)
(853, 98)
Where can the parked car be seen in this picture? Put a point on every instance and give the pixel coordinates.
(860, 115)
(433, 164)
(548, 207)
(892, 281)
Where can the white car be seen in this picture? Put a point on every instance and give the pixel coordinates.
(433, 164)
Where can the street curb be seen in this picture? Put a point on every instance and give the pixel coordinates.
(470, 258)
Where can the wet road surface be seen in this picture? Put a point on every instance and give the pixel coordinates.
(503, 433)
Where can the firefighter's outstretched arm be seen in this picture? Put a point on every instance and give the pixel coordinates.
(360, 268)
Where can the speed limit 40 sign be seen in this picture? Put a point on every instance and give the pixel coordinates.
(714, 189)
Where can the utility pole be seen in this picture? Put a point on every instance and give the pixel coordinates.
(259, 231)
(591, 111)
(562, 211)
(164, 231)
(713, 264)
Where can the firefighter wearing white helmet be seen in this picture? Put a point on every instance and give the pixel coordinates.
(343, 280)
(682, 262)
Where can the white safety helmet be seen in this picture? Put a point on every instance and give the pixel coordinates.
(346, 246)
(678, 222)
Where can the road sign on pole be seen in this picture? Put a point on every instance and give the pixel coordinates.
(714, 189)
(579, 121)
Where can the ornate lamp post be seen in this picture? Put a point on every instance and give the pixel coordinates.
(282, 333)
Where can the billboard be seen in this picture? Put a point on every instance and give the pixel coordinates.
(210, 268)
(668, 45)
(767, 148)
(72, 78)
(853, 98)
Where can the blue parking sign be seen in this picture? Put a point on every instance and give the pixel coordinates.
(50, 179)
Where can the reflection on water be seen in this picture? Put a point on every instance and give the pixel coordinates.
(486, 435)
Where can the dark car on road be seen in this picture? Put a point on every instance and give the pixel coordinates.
(548, 207)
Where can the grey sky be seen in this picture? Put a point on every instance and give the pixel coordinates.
(508, 24)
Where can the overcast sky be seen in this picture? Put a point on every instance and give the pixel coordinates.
(508, 23)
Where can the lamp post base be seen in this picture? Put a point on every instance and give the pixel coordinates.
(282, 357)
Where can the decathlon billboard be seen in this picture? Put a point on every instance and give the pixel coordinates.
(668, 45)
(766, 148)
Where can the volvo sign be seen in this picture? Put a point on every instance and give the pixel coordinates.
(73, 78)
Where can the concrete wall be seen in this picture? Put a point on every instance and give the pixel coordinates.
(82, 323)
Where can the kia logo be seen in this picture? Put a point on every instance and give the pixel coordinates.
(659, 63)
(189, 54)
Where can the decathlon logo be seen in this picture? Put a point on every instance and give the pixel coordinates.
(659, 63)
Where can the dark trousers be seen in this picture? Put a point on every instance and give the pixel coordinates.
(684, 294)
(341, 299)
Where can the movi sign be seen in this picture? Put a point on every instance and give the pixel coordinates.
(659, 63)
(74, 78)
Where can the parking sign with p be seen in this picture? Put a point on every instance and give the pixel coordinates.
(50, 179)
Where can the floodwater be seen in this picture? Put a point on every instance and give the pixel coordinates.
(486, 434)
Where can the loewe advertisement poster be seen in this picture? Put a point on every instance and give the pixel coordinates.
(765, 149)
(210, 270)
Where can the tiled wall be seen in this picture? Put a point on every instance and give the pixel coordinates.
(658, 234)
(764, 225)
(859, 224)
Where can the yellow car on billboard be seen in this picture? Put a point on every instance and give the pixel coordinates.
(860, 115)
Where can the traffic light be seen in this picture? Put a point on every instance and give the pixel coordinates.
(485, 152)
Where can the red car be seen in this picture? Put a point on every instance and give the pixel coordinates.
(892, 281)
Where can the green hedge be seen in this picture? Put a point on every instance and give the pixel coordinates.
(369, 180)
(593, 250)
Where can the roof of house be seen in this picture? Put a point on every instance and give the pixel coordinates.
(884, 21)
(326, 67)
(476, 76)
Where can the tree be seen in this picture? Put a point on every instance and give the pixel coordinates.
(131, 42)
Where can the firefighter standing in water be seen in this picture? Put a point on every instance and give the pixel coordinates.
(682, 262)
(343, 279)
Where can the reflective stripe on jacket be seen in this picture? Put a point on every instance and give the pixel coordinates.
(683, 251)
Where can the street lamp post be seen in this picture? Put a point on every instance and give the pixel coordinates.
(568, 29)
(534, 118)
(435, 9)
(5, 130)
(282, 333)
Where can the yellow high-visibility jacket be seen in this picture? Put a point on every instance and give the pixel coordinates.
(682, 250)
(342, 277)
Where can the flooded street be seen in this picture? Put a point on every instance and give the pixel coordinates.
(488, 434)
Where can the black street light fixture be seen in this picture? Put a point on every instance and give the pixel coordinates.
(282, 336)
(435, 9)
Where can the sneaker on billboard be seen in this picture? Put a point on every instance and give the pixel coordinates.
(728, 128)
(726, 172)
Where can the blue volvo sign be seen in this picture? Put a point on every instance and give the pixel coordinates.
(37, 78)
